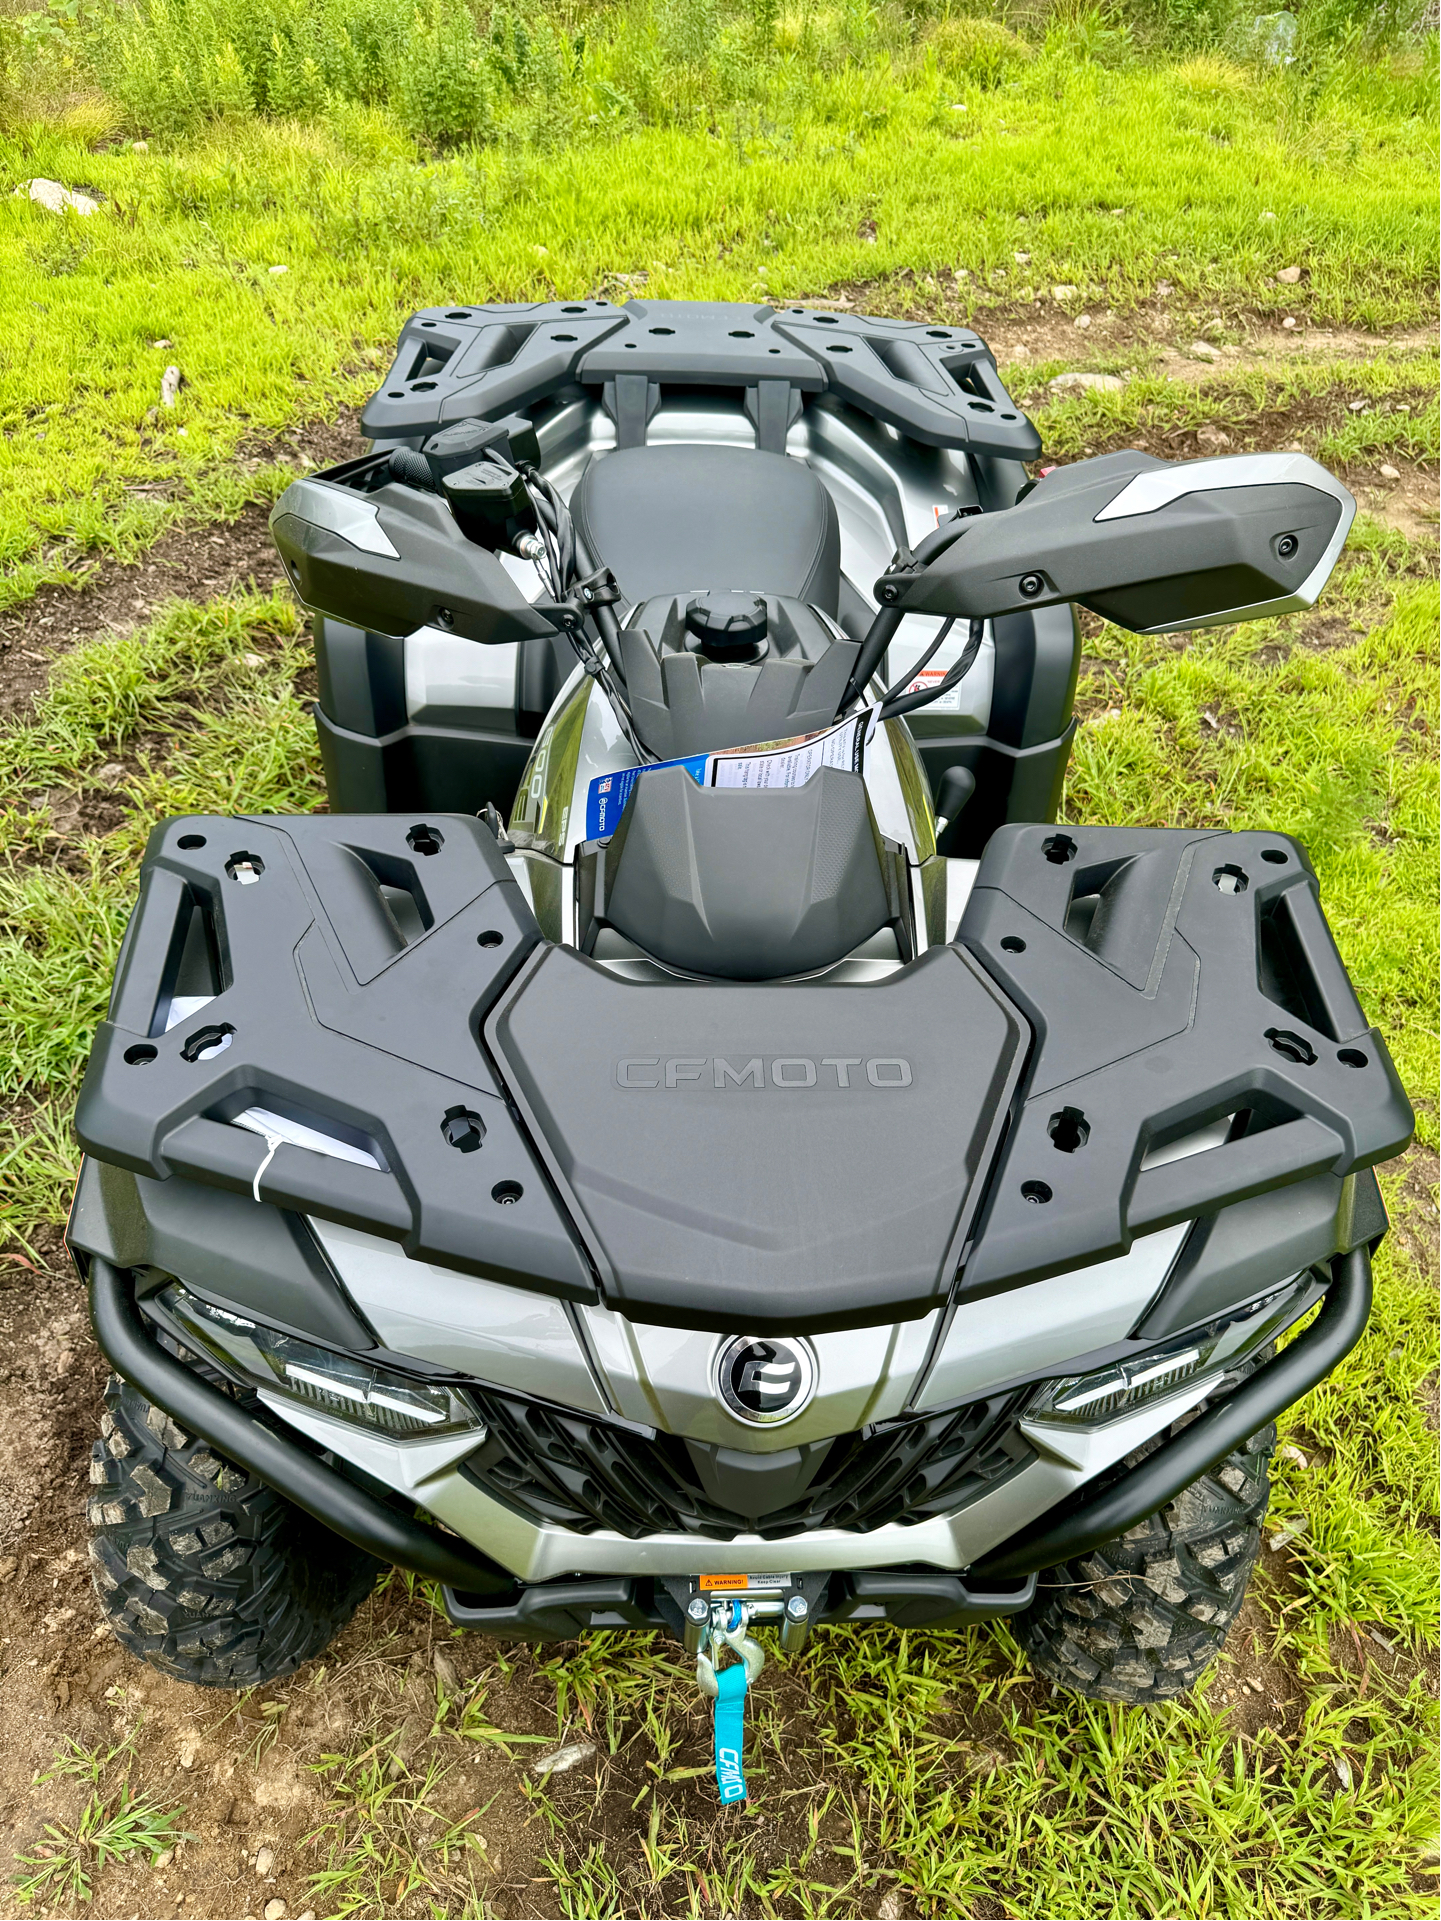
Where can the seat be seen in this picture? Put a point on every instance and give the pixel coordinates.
(674, 520)
(745, 884)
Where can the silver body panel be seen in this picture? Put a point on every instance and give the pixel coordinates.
(1046, 1323)
(596, 1361)
(426, 1472)
(340, 511)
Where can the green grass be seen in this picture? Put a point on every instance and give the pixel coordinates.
(1346, 413)
(235, 737)
(115, 1824)
(927, 1772)
(1207, 175)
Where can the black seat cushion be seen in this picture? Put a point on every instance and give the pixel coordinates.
(676, 520)
(746, 884)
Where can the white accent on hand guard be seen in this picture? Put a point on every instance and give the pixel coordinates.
(1158, 487)
(338, 511)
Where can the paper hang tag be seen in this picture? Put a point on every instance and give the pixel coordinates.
(772, 763)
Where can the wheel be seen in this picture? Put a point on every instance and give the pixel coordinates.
(202, 1570)
(1142, 1617)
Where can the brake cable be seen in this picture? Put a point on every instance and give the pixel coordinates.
(554, 555)
(894, 705)
(920, 666)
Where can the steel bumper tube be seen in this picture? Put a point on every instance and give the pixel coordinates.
(1081, 1524)
(329, 1497)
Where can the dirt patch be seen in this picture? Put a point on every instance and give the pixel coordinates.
(194, 563)
(257, 1772)
(1044, 329)
(1409, 503)
(1250, 1687)
(1414, 1215)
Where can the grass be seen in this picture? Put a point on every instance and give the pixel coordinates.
(115, 1824)
(897, 1773)
(1207, 175)
(386, 1839)
(1348, 414)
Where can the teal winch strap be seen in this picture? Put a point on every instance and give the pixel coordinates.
(730, 1728)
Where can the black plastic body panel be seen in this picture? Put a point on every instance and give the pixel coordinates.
(378, 761)
(1137, 956)
(361, 676)
(780, 882)
(763, 1157)
(936, 384)
(417, 567)
(420, 768)
(1199, 556)
(339, 1021)
(258, 1260)
(783, 1157)
(1237, 1253)
(1019, 764)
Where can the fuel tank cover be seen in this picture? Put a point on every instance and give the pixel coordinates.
(764, 1158)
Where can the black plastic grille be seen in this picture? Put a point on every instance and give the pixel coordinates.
(564, 1469)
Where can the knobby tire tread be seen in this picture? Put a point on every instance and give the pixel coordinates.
(203, 1571)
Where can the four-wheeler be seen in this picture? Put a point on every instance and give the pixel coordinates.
(687, 1142)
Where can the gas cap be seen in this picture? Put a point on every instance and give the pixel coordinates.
(728, 626)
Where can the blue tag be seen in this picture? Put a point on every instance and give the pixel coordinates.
(730, 1732)
(608, 793)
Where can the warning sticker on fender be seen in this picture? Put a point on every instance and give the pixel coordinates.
(929, 677)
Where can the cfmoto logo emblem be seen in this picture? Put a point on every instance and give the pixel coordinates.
(765, 1382)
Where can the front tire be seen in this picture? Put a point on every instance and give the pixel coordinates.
(1142, 1617)
(203, 1571)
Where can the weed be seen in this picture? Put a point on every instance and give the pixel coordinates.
(386, 1839)
(114, 1825)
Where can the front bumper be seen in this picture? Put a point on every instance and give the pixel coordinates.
(564, 1610)
(1037, 1517)
(429, 1474)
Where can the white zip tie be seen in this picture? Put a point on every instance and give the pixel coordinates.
(272, 1141)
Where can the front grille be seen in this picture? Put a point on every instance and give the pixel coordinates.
(563, 1469)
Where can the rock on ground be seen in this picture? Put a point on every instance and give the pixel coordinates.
(1086, 383)
(51, 195)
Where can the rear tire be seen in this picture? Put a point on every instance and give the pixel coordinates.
(202, 1570)
(1142, 1617)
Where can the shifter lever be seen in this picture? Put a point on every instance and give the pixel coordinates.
(957, 786)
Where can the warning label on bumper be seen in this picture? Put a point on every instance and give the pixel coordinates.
(741, 1583)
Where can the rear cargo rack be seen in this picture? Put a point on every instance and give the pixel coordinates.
(938, 385)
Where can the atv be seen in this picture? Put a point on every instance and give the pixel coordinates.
(482, 1169)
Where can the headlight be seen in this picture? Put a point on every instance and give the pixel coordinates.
(1089, 1400)
(335, 1384)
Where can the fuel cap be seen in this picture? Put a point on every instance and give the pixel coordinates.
(727, 626)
